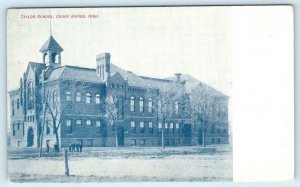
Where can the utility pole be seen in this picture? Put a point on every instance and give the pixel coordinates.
(66, 163)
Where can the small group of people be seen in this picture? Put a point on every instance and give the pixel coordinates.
(75, 147)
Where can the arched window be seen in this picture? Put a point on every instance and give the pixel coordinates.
(88, 98)
(132, 104)
(68, 96)
(97, 98)
(176, 107)
(30, 93)
(150, 105)
(78, 97)
(141, 104)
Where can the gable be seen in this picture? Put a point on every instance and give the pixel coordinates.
(116, 78)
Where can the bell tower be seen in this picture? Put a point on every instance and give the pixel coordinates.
(51, 52)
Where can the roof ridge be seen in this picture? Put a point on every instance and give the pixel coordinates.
(78, 67)
(154, 78)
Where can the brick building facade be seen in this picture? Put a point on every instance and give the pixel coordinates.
(66, 104)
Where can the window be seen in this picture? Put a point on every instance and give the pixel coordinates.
(78, 97)
(225, 131)
(142, 142)
(150, 105)
(18, 103)
(69, 126)
(88, 98)
(98, 124)
(176, 107)
(88, 122)
(14, 131)
(159, 106)
(141, 104)
(132, 142)
(212, 141)
(218, 141)
(68, 96)
(13, 108)
(142, 129)
(30, 95)
(132, 125)
(171, 127)
(18, 126)
(166, 128)
(166, 125)
(97, 98)
(150, 127)
(78, 122)
(177, 128)
(212, 131)
(159, 127)
(132, 104)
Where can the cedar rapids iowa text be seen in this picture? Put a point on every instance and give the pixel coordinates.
(109, 106)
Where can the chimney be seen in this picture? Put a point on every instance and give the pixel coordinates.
(178, 77)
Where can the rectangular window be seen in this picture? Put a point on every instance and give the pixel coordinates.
(150, 105)
(142, 142)
(150, 127)
(78, 122)
(88, 122)
(141, 105)
(69, 126)
(98, 124)
(166, 128)
(177, 125)
(142, 129)
(159, 127)
(171, 127)
(132, 104)
(132, 125)
(132, 142)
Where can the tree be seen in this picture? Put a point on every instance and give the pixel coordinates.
(203, 106)
(113, 113)
(55, 108)
(172, 100)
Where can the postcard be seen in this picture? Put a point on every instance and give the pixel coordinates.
(129, 94)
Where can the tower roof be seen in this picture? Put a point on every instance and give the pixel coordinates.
(52, 44)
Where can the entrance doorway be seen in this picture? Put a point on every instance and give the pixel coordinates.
(30, 137)
(200, 137)
(120, 136)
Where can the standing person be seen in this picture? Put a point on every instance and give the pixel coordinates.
(70, 146)
(47, 147)
(80, 146)
(73, 147)
(77, 147)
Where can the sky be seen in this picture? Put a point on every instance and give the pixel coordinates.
(156, 42)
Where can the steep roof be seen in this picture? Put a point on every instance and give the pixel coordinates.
(38, 67)
(74, 73)
(192, 84)
(147, 82)
(51, 43)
